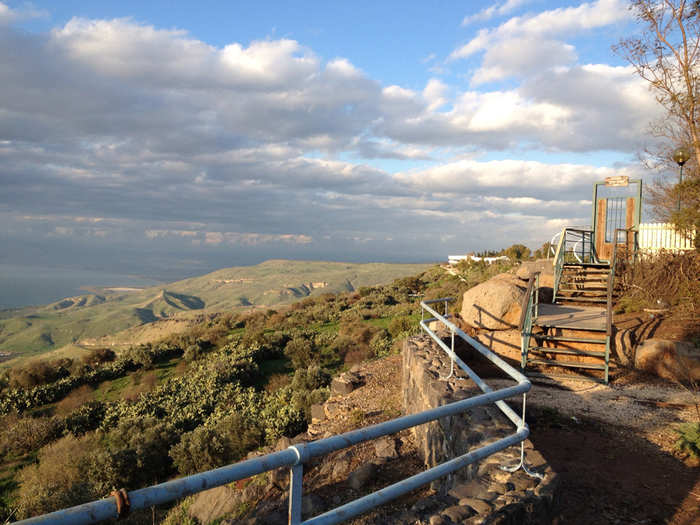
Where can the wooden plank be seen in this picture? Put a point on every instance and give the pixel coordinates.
(571, 316)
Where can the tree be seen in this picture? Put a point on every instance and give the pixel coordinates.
(667, 56)
(517, 252)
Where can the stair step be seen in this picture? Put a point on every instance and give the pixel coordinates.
(580, 290)
(564, 376)
(568, 364)
(567, 351)
(583, 279)
(565, 338)
(582, 299)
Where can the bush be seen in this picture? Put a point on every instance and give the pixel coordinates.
(59, 479)
(689, 439)
(381, 343)
(24, 435)
(98, 356)
(666, 280)
(300, 351)
(206, 448)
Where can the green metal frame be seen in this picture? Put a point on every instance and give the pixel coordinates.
(637, 205)
(529, 313)
(560, 255)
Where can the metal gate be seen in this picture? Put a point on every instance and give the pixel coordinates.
(616, 206)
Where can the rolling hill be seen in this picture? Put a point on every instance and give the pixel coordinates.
(88, 318)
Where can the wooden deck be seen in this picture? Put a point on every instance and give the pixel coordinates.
(572, 317)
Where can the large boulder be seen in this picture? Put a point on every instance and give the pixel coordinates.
(494, 304)
(677, 361)
(544, 266)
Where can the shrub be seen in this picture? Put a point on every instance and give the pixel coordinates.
(87, 417)
(381, 343)
(400, 325)
(210, 447)
(24, 435)
(59, 479)
(689, 439)
(300, 351)
(98, 356)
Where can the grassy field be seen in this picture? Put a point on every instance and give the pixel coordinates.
(111, 319)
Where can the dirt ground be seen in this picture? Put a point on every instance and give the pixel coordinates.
(609, 474)
(611, 445)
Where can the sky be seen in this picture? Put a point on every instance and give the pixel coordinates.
(168, 138)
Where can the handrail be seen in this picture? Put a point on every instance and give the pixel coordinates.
(296, 456)
(529, 307)
(579, 236)
(526, 301)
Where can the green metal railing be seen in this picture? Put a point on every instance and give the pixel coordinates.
(529, 311)
(576, 246)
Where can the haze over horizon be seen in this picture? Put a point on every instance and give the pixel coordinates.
(153, 139)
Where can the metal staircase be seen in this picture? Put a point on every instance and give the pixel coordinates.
(570, 337)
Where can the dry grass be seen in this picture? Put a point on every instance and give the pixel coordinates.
(666, 281)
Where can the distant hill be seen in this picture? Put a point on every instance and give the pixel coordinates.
(89, 318)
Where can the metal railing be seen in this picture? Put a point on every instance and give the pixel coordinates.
(529, 310)
(522, 380)
(576, 245)
(296, 456)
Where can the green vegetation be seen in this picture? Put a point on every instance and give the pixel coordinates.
(74, 429)
(31, 331)
(689, 439)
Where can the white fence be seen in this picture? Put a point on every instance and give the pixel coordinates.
(455, 259)
(657, 236)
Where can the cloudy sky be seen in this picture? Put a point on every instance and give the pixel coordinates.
(145, 137)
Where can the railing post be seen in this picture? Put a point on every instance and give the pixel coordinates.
(296, 474)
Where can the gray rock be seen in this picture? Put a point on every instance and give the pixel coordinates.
(479, 506)
(311, 505)
(341, 386)
(317, 412)
(362, 475)
(385, 447)
(457, 513)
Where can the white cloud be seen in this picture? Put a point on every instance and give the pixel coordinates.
(10, 15)
(547, 24)
(499, 9)
(521, 57)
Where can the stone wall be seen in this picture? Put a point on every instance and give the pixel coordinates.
(483, 492)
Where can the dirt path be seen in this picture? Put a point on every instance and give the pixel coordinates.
(613, 448)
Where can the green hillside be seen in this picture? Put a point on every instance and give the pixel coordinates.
(30, 331)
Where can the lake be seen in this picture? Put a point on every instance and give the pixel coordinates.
(34, 285)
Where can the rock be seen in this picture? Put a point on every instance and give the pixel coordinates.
(544, 266)
(362, 475)
(479, 506)
(279, 478)
(283, 443)
(457, 513)
(677, 361)
(473, 489)
(385, 447)
(317, 412)
(345, 383)
(311, 505)
(494, 304)
(340, 468)
(212, 504)
(436, 520)
(341, 386)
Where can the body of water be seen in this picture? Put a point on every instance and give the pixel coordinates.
(35, 285)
